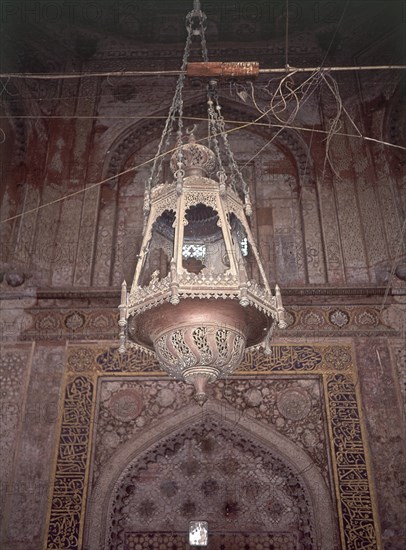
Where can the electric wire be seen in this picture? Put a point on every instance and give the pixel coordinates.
(279, 96)
(285, 124)
(287, 36)
(335, 32)
(126, 73)
(228, 131)
(228, 121)
(394, 264)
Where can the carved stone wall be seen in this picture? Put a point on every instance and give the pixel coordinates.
(14, 374)
(325, 410)
(30, 381)
(211, 471)
(293, 407)
(96, 378)
(382, 403)
(315, 223)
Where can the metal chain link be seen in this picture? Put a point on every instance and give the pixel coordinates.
(175, 109)
(219, 128)
(235, 170)
(214, 131)
(195, 25)
(202, 29)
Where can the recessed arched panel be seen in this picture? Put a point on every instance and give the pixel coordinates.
(246, 478)
(274, 175)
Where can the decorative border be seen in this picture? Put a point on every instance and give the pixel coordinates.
(356, 504)
(72, 462)
(354, 494)
(79, 323)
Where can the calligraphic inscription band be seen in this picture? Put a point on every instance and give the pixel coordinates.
(71, 466)
(355, 498)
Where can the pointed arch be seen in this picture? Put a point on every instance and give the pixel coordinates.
(266, 437)
(136, 136)
(290, 241)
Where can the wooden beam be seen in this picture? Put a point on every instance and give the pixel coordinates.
(219, 69)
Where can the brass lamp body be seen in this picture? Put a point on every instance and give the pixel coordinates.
(192, 299)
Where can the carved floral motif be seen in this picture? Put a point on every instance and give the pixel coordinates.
(102, 323)
(13, 372)
(125, 411)
(81, 360)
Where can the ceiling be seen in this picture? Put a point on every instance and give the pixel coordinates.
(353, 31)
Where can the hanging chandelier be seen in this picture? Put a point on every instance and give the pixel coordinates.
(200, 295)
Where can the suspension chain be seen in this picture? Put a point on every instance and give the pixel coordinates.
(218, 128)
(195, 25)
(195, 21)
(232, 162)
(213, 125)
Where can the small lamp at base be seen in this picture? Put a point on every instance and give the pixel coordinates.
(198, 533)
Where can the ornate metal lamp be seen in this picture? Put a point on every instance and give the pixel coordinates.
(200, 295)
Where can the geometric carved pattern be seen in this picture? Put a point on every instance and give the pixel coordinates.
(210, 470)
(293, 407)
(333, 363)
(14, 374)
(181, 349)
(338, 321)
(101, 324)
(298, 359)
(217, 541)
(400, 359)
(312, 322)
(12, 371)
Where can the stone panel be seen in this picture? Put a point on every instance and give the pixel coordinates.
(386, 436)
(315, 261)
(291, 407)
(398, 355)
(390, 211)
(130, 218)
(87, 235)
(351, 232)
(33, 460)
(45, 252)
(340, 163)
(23, 246)
(15, 363)
(293, 403)
(329, 225)
(377, 252)
(211, 471)
(105, 238)
(67, 235)
(76, 320)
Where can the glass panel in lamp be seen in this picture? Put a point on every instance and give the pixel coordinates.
(160, 249)
(243, 248)
(203, 242)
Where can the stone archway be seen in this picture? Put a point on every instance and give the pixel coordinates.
(286, 226)
(246, 479)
